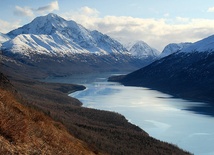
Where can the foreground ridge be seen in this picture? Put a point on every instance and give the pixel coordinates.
(24, 130)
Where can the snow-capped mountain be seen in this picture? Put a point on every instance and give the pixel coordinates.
(54, 35)
(51, 45)
(204, 45)
(142, 50)
(173, 48)
(188, 73)
(42, 44)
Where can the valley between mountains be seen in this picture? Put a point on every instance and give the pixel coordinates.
(186, 73)
(51, 46)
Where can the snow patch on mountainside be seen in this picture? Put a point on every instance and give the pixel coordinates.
(204, 45)
(173, 48)
(48, 25)
(54, 35)
(42, 44)
(108, 44)
(142, 50)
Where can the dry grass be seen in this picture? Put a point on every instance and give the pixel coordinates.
(27, 131)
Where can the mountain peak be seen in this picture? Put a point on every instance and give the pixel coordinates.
(53, 15)
(141, 49)
(53, 34)
(173, 48)
(48, 24)
(140, 42)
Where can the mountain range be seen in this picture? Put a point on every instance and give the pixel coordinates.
(51, 45)
(187, 73)
(53, 35)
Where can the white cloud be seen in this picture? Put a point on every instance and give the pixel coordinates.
(23, 11)
(211, 9)
(156, 32)
(88, 11)
(49, 8)
(27, 12)
(182, 20)
(30, 12)
(85, 16)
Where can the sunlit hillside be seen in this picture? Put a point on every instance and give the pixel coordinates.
(24, 130)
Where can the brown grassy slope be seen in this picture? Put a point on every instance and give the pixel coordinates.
(24, 130)
(106, 131)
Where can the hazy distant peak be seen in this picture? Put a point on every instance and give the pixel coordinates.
(173, 48)
(204, 45)
(142, 49)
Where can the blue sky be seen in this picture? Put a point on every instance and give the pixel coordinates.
(156, 22)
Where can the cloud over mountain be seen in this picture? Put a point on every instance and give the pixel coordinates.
(30, 12)
(23, 11)
(156, 32)
(49, 8)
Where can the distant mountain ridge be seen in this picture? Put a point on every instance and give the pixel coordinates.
(53, 46)
(173, 48)
(204, 45)
(52, 34)
(187, 73)
(142, 50)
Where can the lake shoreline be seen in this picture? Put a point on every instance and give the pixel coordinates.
(99, 89)
(53, 100)
(203, 110)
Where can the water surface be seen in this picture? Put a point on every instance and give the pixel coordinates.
(162, 116)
